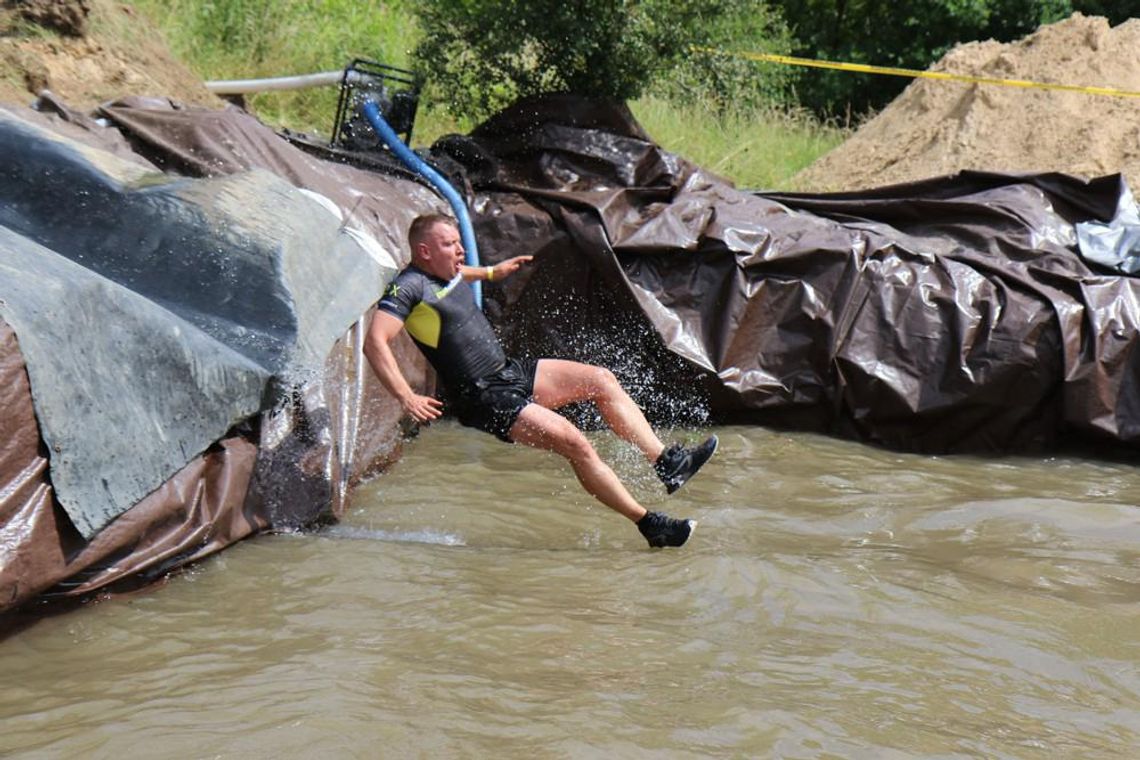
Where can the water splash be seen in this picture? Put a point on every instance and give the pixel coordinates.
(583, 321)
(406, 537)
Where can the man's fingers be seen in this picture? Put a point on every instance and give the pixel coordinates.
(513, 265)
(424, 408)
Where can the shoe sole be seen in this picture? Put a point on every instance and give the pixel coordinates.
(692, 530)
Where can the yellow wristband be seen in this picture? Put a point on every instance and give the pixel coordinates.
(490, 273)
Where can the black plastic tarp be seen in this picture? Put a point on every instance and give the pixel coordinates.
(952, 315)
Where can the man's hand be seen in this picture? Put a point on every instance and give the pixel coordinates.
(510, 266)
(422, 408)
(495, 273)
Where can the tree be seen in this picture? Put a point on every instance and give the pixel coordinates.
(486, 53)
(1116, 11)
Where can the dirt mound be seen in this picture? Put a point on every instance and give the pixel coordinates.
(938, 127)
(88, 52)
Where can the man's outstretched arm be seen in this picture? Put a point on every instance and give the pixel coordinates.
(498, 272)
(379, 354)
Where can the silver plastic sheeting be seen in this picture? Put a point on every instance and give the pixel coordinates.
(155, 313)
(106, 396)
(1115, 244)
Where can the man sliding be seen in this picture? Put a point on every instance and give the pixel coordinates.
(510, 398)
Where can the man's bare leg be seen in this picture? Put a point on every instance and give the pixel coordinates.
(559, 382)
(541, 428)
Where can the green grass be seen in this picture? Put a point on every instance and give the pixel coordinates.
(758, 149)
(245, 39)
(250, 39)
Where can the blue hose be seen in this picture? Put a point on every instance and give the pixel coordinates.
(418, 165)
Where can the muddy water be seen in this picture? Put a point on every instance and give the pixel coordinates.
(837, 601)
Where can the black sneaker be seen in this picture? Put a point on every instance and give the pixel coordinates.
(677, 464)
(662, 530)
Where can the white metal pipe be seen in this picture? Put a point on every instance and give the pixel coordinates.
(243, 86)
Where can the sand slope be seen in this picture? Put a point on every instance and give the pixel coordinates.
(936, 127)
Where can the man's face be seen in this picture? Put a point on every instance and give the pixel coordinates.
(440, 252)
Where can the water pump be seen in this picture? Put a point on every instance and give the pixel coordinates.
(396, 92)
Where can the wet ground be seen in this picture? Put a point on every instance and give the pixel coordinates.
(836, 601)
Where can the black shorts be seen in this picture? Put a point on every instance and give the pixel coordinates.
(492, 403)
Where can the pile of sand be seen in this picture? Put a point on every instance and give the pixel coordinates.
(88, 52)
(938, 127)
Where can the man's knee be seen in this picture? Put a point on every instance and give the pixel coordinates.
(606, 384)
(540, 427)
(574, 446)
(605, 377)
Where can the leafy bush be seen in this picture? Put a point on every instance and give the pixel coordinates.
(712, 72)
(486, 53)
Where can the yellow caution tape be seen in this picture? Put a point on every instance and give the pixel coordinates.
(865, 69)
